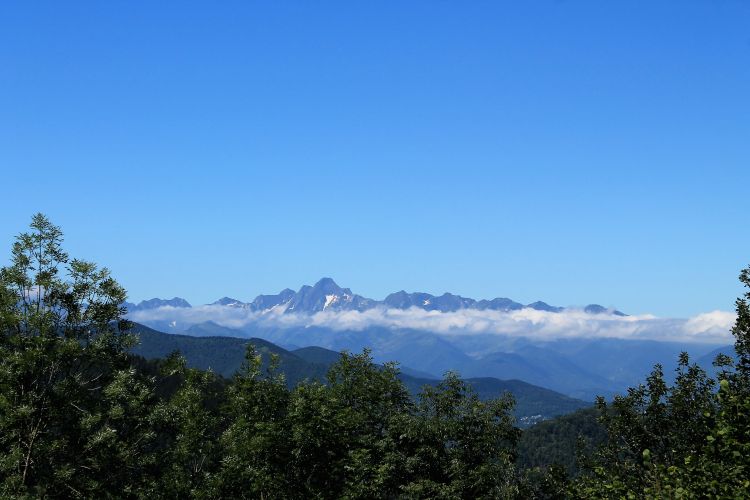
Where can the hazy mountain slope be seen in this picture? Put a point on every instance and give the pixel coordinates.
(436, 354)
(419, 350)
(706, 361)
(211, 329)
(579, 367)
(545, 368)
(315, 354)
(625, 363)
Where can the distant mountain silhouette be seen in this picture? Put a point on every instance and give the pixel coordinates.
(326, 295)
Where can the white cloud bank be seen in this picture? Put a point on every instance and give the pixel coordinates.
(710, 327)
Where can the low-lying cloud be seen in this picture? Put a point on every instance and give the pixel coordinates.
(710, 327)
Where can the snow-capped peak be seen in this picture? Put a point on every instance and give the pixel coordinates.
(330, 299)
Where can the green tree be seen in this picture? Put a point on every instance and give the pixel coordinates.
(721, 467)
(189, 424)
(653, 423)
(69, 402)
(457, 446)
(341, 432)
(739, 380)
(681, 441)
(256, 446)
(560, 440)
(367, 399)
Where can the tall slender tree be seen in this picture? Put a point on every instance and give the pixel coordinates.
(67, 393)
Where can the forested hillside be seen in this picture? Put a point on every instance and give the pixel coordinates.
(225, 356)
(561, 441)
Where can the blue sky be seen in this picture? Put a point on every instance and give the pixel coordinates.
(567, 151)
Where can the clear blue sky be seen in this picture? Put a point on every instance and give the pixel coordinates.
(566, 151)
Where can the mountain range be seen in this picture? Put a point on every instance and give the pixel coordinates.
(326, 295)
(578, 366)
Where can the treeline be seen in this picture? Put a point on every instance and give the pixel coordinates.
(81, 418)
